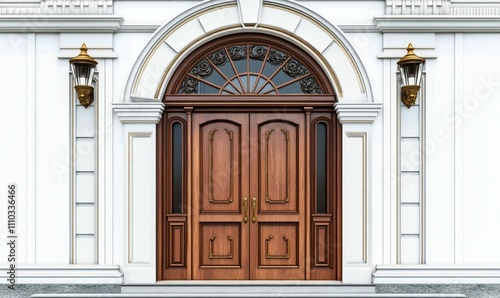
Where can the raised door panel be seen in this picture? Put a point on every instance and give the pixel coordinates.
(220, 245)
(277, 184)
(278, 245)
(220, 144)
(220, 184)
(278, 162)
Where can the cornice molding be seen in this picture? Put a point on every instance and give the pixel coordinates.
(60, 23)
(135, 112)
(436, 23)
(138, 28)
(357, 112)
(435, 274)
(359, 28)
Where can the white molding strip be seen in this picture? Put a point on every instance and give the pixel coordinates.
(436, 274)
(398, 53)
(145, 112)
(130, 27)
(59, 23)
(357, 112)
(96, 53)
(437, 23)
(65, 274)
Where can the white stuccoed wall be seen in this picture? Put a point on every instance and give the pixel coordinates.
(36, 123)
(439, 156)
(479, 125)
(14, 114)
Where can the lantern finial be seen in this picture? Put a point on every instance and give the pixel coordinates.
(83, 57)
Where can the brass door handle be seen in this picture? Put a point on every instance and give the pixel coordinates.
(245, 210)
(254, 210)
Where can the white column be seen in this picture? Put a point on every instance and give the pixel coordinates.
(356, 120)
(135, 208)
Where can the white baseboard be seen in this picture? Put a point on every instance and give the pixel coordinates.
(435, 274)
(64, 274)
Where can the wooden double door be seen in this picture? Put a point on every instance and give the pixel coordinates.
(248, 196)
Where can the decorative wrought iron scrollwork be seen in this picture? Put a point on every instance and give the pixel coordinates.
(309, 85)
(218, 58)
(295, 69)
(276, 57)
(189, 85)
(258, 52)
(202, 69)
(266, 77)
(237, 52)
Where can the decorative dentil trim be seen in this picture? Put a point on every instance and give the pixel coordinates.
(440, 7)
(435, 24)
(58, 7)
(416, 7)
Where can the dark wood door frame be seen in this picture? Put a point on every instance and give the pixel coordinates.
(180, 224)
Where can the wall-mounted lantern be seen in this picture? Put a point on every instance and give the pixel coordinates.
(410, 72)
(83, 67)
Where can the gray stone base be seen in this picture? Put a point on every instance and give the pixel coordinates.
(470, 290)
(26, 290)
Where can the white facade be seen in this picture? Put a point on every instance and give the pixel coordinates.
(419, 199)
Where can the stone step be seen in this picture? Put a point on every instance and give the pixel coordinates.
(338, 295)
(249, 287)
(262, 289)
(198, 289)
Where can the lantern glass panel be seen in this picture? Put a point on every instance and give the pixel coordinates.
(83, 73)
(411, 74)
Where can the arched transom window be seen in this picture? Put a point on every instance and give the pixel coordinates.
(249, 68)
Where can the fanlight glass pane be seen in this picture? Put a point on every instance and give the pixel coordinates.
(291, 89)
(256, 65)
(207, 89)
(177, 168)
(249, 69)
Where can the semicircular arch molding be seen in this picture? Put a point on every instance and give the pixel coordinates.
(207, 21)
